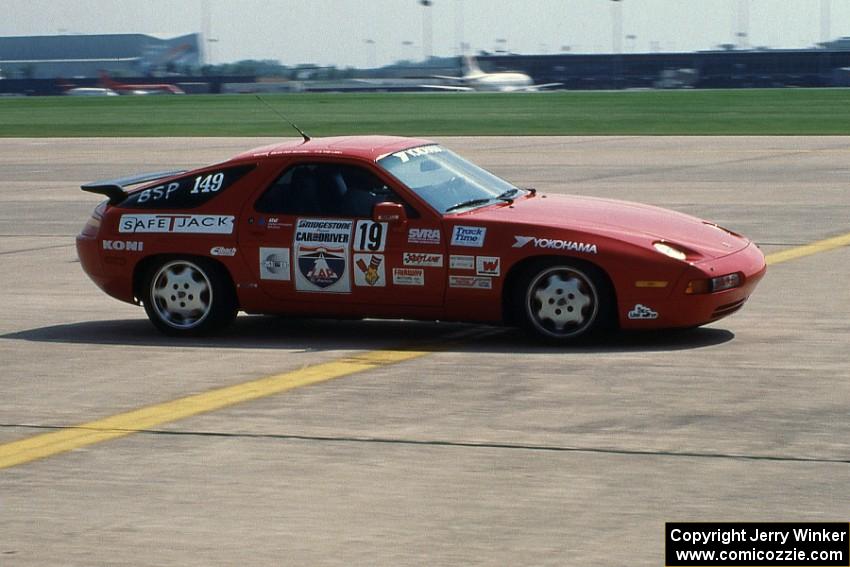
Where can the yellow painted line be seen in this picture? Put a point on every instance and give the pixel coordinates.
(48, 444)
(808, 249)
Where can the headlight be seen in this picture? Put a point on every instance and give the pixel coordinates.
(670, 251)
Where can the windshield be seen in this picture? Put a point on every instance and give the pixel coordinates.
(445, 180)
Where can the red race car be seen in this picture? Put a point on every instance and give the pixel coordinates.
(379, 226)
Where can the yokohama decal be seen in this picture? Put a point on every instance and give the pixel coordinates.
(554, 244)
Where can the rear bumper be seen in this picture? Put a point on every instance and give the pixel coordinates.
(680, 309)
(109, 273)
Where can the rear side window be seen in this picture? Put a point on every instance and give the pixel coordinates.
(186, 192)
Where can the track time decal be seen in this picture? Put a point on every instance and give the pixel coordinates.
(468, 236)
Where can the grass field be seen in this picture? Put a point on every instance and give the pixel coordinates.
(735, 112)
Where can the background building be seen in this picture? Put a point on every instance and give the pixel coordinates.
(84, 56)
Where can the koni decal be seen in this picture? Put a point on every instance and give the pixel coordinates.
(122, 245)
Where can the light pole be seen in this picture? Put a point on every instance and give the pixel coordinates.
(459, 28)
(742, 33)
(408, 45)
(825, 23)
(426, 29)
(617, 39)
(371, 47)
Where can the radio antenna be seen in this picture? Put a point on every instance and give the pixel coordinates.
(288, 121)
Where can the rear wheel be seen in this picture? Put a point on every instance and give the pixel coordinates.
(188, 297)
(563, 301)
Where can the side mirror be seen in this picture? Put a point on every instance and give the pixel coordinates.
(392, 213)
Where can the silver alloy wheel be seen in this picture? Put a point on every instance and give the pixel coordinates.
(562, 302)
(182, 294)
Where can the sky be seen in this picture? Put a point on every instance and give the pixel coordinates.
(361, 33)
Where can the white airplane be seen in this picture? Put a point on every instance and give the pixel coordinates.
(474, 79)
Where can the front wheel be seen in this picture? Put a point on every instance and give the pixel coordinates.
(186, 297)
(561, 301)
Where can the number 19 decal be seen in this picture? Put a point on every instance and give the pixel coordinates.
(370, 236)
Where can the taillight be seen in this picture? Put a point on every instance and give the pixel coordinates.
(93, 224)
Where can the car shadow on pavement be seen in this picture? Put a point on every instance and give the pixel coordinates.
(269, 332)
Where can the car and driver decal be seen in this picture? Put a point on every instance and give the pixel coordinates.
(322, 248)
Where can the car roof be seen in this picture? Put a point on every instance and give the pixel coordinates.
(366, 147)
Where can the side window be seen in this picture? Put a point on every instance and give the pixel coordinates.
(338, 190)
(186, 192)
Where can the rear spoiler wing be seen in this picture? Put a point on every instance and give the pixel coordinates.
(114, 188)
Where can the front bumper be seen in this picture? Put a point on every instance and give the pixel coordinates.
(679, 309)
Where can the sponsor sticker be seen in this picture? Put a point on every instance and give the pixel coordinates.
(199, 224)
(322, 252)
(488, 265)
(461, 262)
(470, 282)
(642, 312)
(275, 223)
(405, 155)
(423, 259)
(274, 264)
(408, 276)
(157, 193)
(369, 270)
(472, 236)
(223, 251)
(122, 245)
(423, 236)
(555, 244)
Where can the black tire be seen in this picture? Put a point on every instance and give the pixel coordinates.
(562, 300)
(188, 296)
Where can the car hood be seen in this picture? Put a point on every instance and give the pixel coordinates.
(621, 219)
